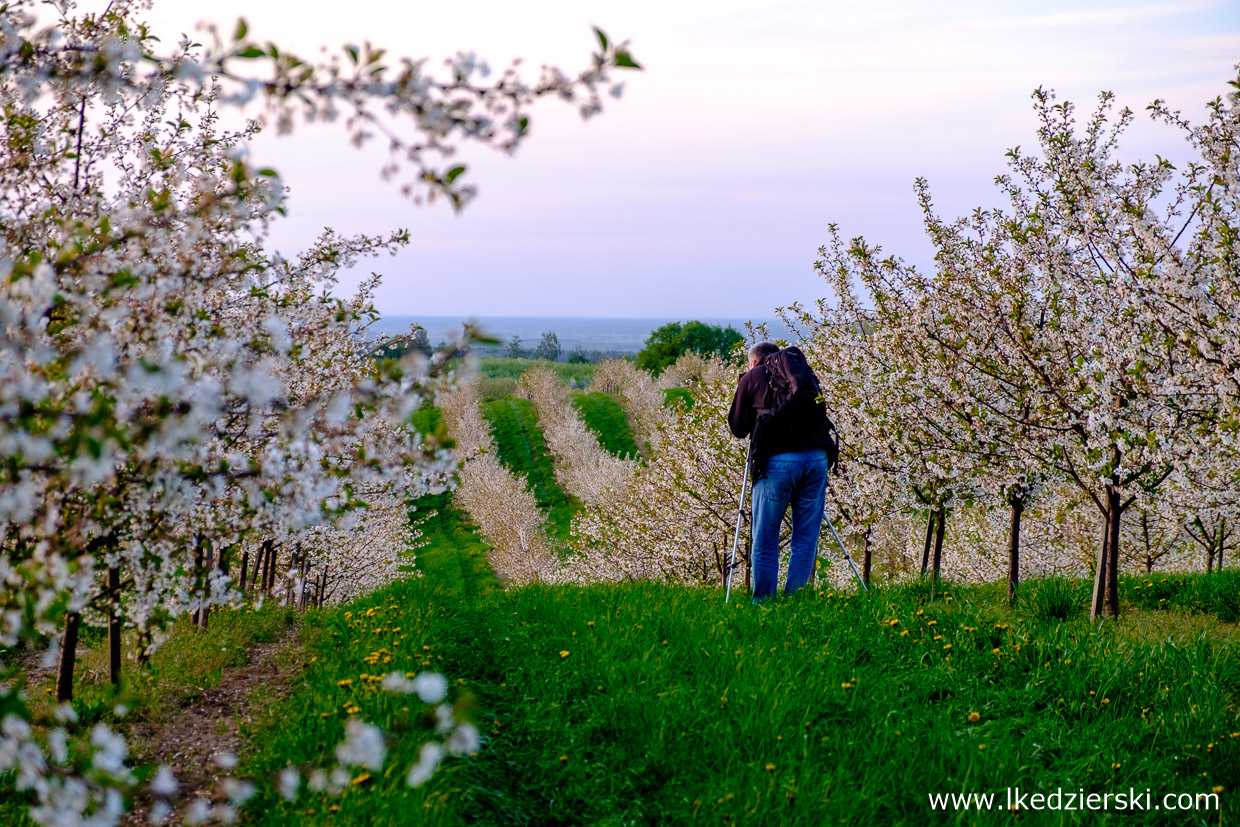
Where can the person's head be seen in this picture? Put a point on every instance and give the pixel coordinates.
(760, 351)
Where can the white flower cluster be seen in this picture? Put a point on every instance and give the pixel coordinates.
(675, 520)
(643, 399)
(500, 502)
(173, 397)
(582, 466)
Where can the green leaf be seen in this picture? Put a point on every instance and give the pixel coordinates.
(352, 50)
(242, 28)
(602, 38)
(251, 52)
(453, 174)
(625, 60)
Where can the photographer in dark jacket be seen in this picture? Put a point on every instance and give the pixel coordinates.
(794, 473)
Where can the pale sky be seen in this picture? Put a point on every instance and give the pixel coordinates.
(707, 190)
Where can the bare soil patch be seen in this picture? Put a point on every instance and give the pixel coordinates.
(191, 742)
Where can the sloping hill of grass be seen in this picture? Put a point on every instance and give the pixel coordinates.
(608, 420)
(523, 450)
(654, 704)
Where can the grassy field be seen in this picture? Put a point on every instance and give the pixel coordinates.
(187, 663)
(577, 374)
(606, 417)
(653, 704)
(523, 450)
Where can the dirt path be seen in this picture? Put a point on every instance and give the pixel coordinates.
(210, 726)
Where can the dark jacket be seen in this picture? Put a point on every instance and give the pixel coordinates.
(799, 428)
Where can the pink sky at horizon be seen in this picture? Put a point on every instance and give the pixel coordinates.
(707, 189)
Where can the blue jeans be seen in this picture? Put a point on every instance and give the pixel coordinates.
(798, 478)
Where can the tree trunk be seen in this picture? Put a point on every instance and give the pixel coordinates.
(271, 575)
(114, 625)
(940, 530)
(195, 618)
(288, 586)
(303, 585)
(68, 654)
(867, 557)
(262, 562)
(1018, 507)
(245, 567)
(323, 587)
(1100, 571)
(1145, 532)
(144, 643)
(204, 613)
(1222, 534)
(925, 552)
(1113, 541)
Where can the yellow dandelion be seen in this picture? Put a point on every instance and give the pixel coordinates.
(974, 717)
(1115, 766)
(770, 768)
(1218, 788)
(361, 779)
(564, 653)
(345, 682)
(563, 757)
(846, 685)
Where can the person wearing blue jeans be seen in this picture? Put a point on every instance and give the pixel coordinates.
(792, 471)
(799, 479)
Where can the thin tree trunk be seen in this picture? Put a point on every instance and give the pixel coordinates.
(1222, 534)
(196, 617)
(288, 586)
(1100, 571)
(245, 566)
(1113, 535)
(867, 557)
(1018, 507)
(144, 642)
(270, 570)
(204, 613)
(114, 625)
(265, 553)
(940, 530)
(1145, 532)
(68, 654)
(925, 552)
(303, 576)
(323, 587)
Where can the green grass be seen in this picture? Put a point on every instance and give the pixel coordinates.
(188, 662)
(522, 449)
(501, 367)
(672, 708)
(677, 396)
(606, 417)
(1217, 593)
